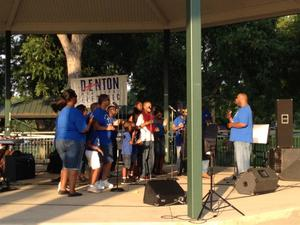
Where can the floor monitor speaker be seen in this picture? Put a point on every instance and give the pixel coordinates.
(163, 192)
(257, 181)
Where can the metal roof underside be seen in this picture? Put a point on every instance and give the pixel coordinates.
(114, 16)
(35, 109)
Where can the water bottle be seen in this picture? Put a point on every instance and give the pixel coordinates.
(98, 145)
(98, 142)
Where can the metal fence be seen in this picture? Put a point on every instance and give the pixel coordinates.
(39, 144)
(259, 156)
(39, 147)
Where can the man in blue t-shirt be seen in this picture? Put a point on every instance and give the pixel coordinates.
(241, 132)
(103, 126)
(178, 127)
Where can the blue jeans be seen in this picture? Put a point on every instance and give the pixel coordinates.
(242, 152)
(205, 164)
(148, 158)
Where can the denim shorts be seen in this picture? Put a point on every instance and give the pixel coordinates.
(126, 161)
(71, 153)
(108, 153)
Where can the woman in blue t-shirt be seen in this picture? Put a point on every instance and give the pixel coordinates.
(70, 141)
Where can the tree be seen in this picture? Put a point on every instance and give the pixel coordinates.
(73, 48)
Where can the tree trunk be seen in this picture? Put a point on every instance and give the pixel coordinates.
(73, 49)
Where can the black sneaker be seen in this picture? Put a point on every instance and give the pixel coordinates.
(74, 194)
(124, 181)
(63, 192)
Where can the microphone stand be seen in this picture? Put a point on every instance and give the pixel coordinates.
(173, 144)
(117, 188)
(208, 198)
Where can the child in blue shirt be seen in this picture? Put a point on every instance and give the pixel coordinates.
(126, 151)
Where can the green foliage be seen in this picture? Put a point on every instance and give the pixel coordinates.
(260, 58)
(42, 68)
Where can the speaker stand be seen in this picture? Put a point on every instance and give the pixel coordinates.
(5, 185)
(208, 198)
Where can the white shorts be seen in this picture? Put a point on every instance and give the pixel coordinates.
(93, 159)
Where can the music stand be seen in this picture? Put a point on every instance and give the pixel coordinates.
(260, 135)
(208, 198)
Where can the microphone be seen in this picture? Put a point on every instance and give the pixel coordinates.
(170, 107)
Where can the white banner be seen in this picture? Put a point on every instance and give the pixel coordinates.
(89, 88)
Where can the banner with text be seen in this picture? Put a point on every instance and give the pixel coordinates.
(89, 88)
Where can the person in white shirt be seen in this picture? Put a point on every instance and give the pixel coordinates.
(145, 122)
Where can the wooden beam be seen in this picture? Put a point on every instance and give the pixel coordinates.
(13, 13)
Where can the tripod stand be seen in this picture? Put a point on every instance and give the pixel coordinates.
(208, 198)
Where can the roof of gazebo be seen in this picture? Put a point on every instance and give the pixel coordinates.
(92, 16)
(33, 109)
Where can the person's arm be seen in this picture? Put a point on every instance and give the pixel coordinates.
(140, 121)
(146, 123)
(242, 120)
(89, 124)
(80, 121)
(97, 126)
(175, 128)
(130, 118)
(236, 125)
(94, 147)
(99, 122)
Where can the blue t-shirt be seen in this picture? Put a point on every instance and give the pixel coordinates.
(243, 115)
(126, 146)
(70, 124)
(205, 116)
(102, 117)
(179, 138)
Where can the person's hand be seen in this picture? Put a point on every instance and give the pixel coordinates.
(180, 126)
(100, 151)
(229, 115)
(116, 122)
(150, 122)
(230, 125)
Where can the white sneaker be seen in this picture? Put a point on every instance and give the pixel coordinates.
(99, 184)
(107, 184)
(93, 189)
(58, 187)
